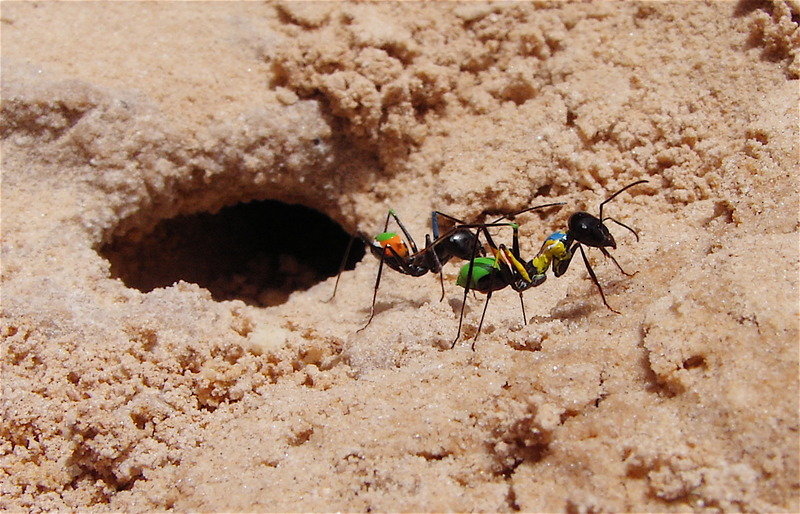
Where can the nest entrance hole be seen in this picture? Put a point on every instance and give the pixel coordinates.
(258, 252)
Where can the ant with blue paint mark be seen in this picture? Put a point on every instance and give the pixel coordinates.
(508, 268)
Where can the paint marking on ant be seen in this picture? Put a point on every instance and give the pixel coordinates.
(584, 229)
(507, 268)
(391, 249)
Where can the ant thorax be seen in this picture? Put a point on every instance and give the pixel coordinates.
(555, 247)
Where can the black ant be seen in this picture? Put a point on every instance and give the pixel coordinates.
(507, 268)
(391, 249)
(490, 274)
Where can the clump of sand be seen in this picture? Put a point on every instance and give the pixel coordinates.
(118, 116)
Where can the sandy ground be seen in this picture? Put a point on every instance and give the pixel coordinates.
(118, 117)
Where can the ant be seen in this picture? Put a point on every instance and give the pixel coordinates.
(489, 274)
(507, 268)
(390, 249)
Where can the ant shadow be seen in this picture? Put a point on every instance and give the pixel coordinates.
(583, 306)
(383, 306)
(379, 308)
(572, 311)
(455, 304)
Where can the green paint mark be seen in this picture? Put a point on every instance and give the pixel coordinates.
(482, 266)
(385, 236)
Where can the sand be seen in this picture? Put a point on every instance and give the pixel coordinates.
(117, 117)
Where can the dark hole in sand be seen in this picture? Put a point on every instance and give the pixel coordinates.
(258, 252)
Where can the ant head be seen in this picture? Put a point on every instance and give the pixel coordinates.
(390, 245)
(462, 243)
(589, 230)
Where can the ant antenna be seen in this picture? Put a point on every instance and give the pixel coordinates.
(614, 195)
(635, 234)
(513, 214)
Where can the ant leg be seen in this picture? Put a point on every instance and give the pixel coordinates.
(594, 279)
(451, 218)
(622, 225)
(380, 270)
(618, 192)
(517, 279)
(434, 226)
(561, 266)
(522, 303)
(388, 215)
(435, 222)
(341, 268)
(466, 289)
(435, 229)
(485, 306)
(405, 269)
(515, 242)
(374, 296)
(403, 228)
(608, 254)
(463, 303)
(437, 264)
(514, 214)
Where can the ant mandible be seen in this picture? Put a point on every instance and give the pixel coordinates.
(507, 268)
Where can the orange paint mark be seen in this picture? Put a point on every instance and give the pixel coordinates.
(397, 244)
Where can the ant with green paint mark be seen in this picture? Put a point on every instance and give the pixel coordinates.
(508, 268)
(391, 249)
